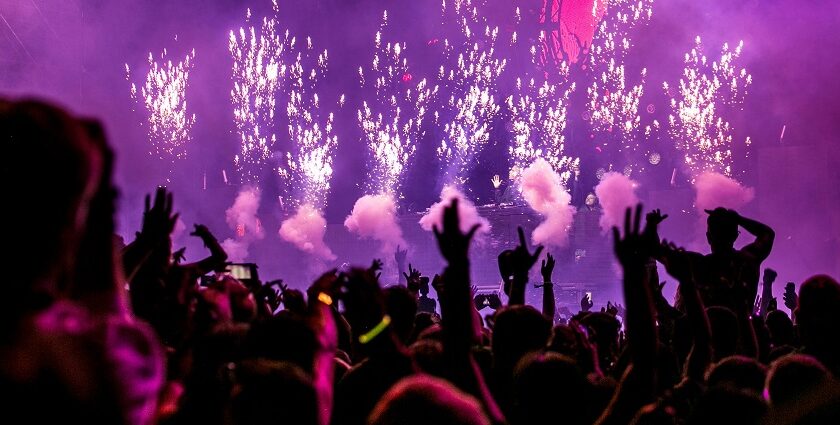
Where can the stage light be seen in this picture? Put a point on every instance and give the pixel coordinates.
(654, 158)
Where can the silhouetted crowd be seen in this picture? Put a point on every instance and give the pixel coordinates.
(96, 332)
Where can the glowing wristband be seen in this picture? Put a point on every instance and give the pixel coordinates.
(325, 298)
(373, 333)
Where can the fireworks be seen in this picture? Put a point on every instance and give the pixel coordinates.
(310, 129)
(391, 138)
(258, 73)
(169, 125)
(613, 103)
(538, 119)
(472, 82)
(705, 138)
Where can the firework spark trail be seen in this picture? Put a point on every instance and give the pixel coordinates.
(538, 116)
(472, 82)
(310, 129)
(259, 69)
(613, 103)
(391, 121)
(163, 94)
(705, 138)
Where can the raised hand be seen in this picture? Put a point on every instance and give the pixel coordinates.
(522, 259)
(631, 250)
(655, 217)
(620, 310)
(376, 265)
(413, 279)
(158, 218)
(612, 309)
(452, 242)
(586, 303)
(178, 256)
(400, 256)
(200, 231)
(547, 268)
(496, 181)
(769, 276)
(514, 266)
(790, 297)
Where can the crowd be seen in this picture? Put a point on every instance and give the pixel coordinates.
(94, 332)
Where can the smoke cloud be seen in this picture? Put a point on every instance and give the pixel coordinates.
(242, 218)
(178, 230)
(716, 190)
(305, 230)
(375, 217)
(543, 191)
(616, 192)
(236, 249)
(466, 212)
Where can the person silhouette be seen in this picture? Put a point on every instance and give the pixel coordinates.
(728, 277)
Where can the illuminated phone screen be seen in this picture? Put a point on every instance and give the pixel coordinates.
(240, 271)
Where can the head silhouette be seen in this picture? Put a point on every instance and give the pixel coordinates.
(793, 376)
(266, 389)
(402, 307)
(722, 230)
(518, 330)
(740, 372)
(422, 400)
(50, 175)
(548, 383)
(818, 312)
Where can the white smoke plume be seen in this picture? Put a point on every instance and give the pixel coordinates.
(236, 249)
(375, 217)
(466, 211)
(616, 192)
(305, 230)
(543, 190)
(242, 218)
(716, 190)
(178, 230)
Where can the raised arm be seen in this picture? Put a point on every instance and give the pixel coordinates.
(767, 291)
(322, 295)
(678, 265)
(764, 236)
(99, 284)
(638, 383)
(515, 265)
(400, 257)
(457, 318)
(217, 257)
(546, 269)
